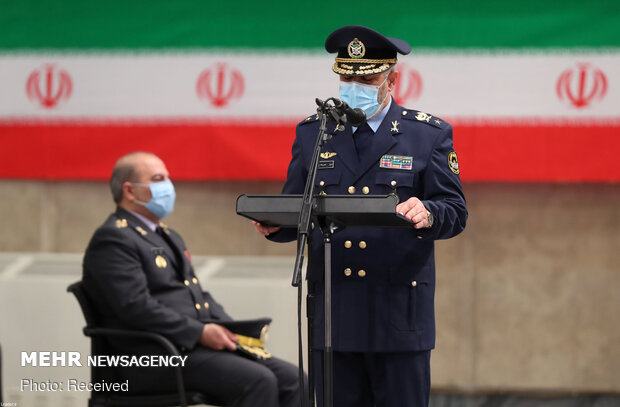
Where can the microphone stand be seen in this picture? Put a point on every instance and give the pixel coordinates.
(303, 225)
(325, 110)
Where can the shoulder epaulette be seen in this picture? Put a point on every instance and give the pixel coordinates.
(418, 116)
(309, 119)
(120, 223)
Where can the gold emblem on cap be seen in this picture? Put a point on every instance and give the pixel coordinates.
(161, 262)
(121, 223)
(327, 155)
(423, 117)
(395, 124)
(356, 49)
(141, 231)
(453, 162)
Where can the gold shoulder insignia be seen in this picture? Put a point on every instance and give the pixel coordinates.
(423, 117)
(310, 119)
(121, 223)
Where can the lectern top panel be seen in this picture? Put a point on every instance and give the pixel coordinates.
(345, 210)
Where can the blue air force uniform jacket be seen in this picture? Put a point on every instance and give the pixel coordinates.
(383, 279)
(138, 280)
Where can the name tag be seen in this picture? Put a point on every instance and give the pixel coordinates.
(157, 250)
(396, 162)
(326, 164)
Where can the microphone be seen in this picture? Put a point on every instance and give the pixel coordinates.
(356, 116)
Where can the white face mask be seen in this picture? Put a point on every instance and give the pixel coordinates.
(358, 95)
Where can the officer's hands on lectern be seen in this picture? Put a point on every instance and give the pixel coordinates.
(217, 337)
(265, 230)
(414, 210)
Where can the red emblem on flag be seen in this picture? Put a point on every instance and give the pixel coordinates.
(49, 85)
(220, 84)
(581, 86)
(408, 86)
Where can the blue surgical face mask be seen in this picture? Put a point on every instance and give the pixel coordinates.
(358, 95)
(162, 198)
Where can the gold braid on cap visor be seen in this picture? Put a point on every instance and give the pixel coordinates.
(351, 71)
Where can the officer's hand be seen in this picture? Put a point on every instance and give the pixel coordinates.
(414, 210)
(265, 230)
(217, 337)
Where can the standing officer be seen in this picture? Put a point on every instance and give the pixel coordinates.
(139, 275)
(383, 279)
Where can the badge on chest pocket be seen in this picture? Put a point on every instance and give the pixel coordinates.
(160, 260)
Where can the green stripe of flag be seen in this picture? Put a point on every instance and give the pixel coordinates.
(128, 24)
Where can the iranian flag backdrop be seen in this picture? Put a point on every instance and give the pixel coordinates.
(216, 88)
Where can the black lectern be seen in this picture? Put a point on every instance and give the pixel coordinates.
(342, 210)
(331, 213)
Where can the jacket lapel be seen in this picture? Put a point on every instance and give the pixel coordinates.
(178, 247)
(342, 143)
(145, 233)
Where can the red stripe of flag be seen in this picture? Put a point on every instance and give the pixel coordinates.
(262, 151)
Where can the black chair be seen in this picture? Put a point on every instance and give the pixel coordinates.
(99, 346)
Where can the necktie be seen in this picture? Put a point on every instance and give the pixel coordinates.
(363, 139)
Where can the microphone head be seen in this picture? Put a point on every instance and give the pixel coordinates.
(339, 104)
(356, 117)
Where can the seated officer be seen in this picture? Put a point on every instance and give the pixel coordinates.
(139, 276)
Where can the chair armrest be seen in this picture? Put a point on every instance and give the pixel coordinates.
(127, 333)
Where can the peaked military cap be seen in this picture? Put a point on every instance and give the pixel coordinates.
(362, 51)
(252, 336)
